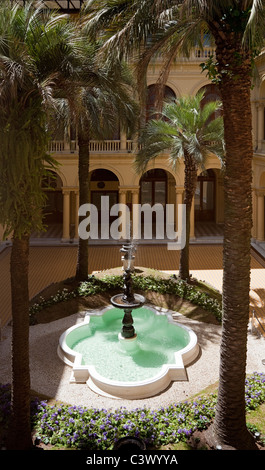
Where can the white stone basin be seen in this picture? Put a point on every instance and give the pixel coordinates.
(134, 357)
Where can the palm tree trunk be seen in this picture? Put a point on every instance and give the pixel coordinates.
(190, 186)
(83, 176)
(19, 437)
(230, 421)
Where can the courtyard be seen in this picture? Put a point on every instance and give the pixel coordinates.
(51, 264)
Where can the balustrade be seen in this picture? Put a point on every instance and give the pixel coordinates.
(56, 146)
(196, 55)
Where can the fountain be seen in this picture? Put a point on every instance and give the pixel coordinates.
(114, 358)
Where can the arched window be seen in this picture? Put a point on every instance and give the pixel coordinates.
(205, 196)
(211, 93)
(153, 187)
(151, 99)
(104, 183)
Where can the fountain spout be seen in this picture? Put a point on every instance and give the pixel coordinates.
(127, 300)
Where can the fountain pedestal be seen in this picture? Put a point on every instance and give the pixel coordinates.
(127, 300)
(122, 302)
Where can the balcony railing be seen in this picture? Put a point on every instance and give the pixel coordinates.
(95, 146)
(197, 55)
(204, 53)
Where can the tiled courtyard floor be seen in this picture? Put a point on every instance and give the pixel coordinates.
(54, 263)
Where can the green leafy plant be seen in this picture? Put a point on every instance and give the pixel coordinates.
(174, 286)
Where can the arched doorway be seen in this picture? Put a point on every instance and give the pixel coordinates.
(205, 200)
(209, 204)
(103, 183)
(211, 93)
(153, 187)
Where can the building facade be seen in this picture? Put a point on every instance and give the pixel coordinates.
(112, 170)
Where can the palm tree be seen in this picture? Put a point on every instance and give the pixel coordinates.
(237, 29)
(28, 37)
(97, 101)
(188, 132)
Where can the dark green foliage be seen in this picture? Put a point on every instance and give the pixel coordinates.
(173, 286)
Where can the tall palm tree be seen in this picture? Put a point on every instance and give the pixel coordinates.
(187, 131)
(97, 100)
(237, 30)
(28, 37)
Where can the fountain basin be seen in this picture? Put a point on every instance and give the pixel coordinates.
(132, 368)
(119, 302)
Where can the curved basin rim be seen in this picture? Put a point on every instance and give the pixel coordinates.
(92, 370)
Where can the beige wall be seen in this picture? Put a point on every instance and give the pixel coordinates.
(185, 78)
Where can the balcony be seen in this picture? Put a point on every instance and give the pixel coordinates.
(198, 55)
(95, 146)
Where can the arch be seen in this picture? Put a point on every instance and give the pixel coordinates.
(60, 175)
(101, 174)
(52, 180)
(211, 93)
(157, 185)
(169, 94)
(176, 175)
(103, 182)
(107, 166)
(199, 86)
(213, 162)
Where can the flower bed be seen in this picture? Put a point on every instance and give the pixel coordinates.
(98, 429)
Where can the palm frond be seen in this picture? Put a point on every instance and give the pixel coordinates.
(184, 129)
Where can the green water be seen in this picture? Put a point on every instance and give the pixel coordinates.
(156, 342)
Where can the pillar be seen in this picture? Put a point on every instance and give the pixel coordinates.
(260, 125)
(179, 200)
(123, 215)
(135, 213)
(260, 215)
(76, 237)
(254, 215)
(66, 215)
(192, 224)
(123, 140)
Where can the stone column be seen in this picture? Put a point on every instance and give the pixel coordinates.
(76, 237)
(123, 140)
(122, 200)
(260, 215)
(179, 200)
(135, 213)
(254, 214)
(260, 125)
(66, 215)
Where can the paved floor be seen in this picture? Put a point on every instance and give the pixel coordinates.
(53, 263)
